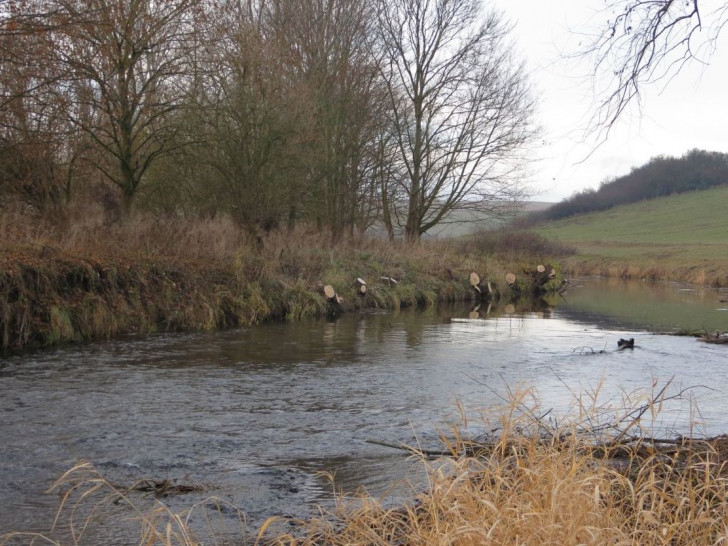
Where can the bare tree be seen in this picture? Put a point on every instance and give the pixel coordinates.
(461, 107)
(644, 42)
(128, 59)
(33, 106)
(329, 52)
(246, 114)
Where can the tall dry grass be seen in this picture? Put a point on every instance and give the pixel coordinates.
(87, 231)
(594, 475)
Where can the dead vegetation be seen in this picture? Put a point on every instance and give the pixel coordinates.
(599, 476)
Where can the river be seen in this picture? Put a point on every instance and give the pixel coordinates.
(256, 416)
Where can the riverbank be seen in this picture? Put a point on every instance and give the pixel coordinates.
(534, 483)
(88, 282)
(679, 237)
(702, 266)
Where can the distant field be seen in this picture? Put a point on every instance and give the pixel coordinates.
(465, 222)
(684, 237)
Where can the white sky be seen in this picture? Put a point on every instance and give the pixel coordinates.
(690, 112)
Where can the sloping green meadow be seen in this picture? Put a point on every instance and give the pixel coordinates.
(681, 237)
(699, 217)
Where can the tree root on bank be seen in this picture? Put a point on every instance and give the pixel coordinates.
(716, 338)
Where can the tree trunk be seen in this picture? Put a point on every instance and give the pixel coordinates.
(127, 203)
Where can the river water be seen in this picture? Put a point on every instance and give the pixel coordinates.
(256, 416)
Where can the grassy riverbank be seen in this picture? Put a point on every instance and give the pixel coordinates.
(86, 280)
(681, 237)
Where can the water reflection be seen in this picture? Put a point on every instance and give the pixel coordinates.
(257, 414)
(666, 307)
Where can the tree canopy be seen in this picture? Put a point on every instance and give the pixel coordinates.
(644, 42)
(337, 113)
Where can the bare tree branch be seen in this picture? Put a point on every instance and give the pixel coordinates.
(645, 42)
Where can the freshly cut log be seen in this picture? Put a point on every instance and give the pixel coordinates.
(541, 268)
(361, 286)
(475, 282)
(510, 278)
(329, 292)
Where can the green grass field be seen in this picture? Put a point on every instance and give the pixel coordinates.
(681, 237)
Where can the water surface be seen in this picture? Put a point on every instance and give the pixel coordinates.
(256, 415)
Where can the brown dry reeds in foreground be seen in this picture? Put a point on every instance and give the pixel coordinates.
(597, 479)
(596, 475)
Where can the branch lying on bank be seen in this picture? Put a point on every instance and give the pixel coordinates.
(161, 488)
(715, 338)
(404, 447)
(621, 437)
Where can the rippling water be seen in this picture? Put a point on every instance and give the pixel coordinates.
(256, 415)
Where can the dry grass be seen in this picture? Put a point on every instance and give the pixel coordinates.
(595, 475)
(87, 497)
(598, 478)
(678, 265)
(86, 232)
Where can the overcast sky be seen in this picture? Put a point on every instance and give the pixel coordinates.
(690, 112)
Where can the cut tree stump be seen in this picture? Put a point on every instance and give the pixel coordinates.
(510, 278)
(361, 286)
(475, 282)
(331, 294)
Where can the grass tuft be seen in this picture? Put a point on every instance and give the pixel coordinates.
(597, 477)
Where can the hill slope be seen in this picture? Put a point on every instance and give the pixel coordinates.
(684, 237)
(659, 177)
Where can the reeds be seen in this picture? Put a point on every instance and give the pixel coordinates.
(596, 477)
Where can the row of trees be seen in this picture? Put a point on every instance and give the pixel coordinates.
(696, 170)
(341, 113)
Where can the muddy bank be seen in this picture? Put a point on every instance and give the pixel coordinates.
(49, 297)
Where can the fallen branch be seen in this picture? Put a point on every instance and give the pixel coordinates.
(404, 447)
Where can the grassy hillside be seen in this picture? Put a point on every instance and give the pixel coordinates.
(682, 237)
